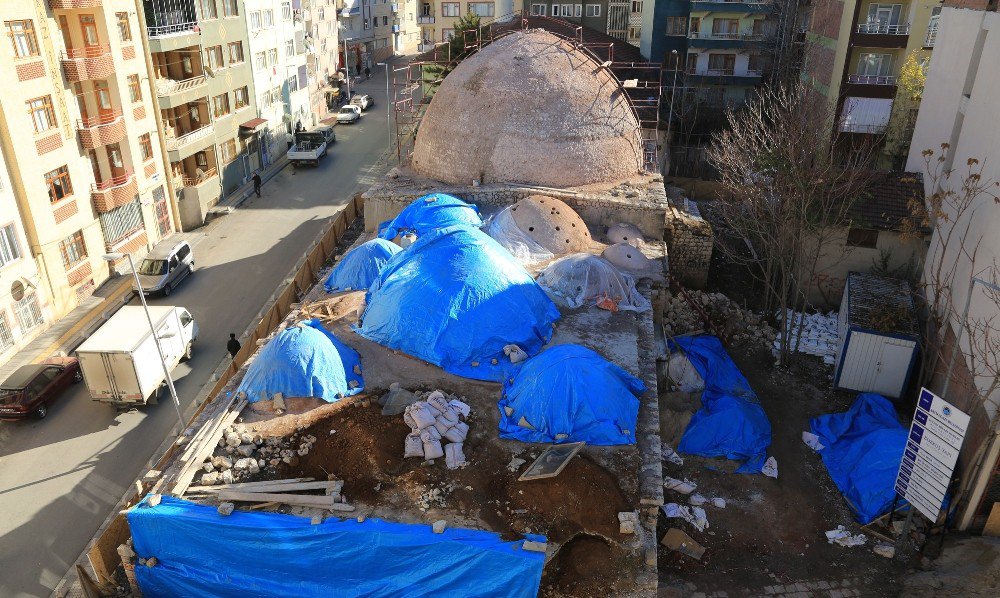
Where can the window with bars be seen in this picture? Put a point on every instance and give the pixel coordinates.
(124, 30)
(6, 336)
(220, 105)
(134, 91)
(235, 52)
(145, 147)
(9, 249)
(58, 184)
(42, 116)
(121, 222)
(255, 20)
(286, 11)
(22, 37)
(29, 315)
(289, 48)
(272, 57)
(73, 250)
(267, 16)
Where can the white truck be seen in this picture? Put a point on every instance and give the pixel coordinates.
(309, 146)
(119, 361)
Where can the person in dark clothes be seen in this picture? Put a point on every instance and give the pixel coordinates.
(256, 183)
(233, 346)
(368, 73)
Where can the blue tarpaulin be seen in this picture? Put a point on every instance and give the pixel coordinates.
(431, 212)
(360, 266)
(571, 390)
(304, 361)
(455, 298)
(731, 422)
(862, 449)
(247, 554)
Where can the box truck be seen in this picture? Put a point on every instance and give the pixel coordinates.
(119, 361)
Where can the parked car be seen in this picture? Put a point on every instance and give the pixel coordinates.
(363, 101)
(167, 264)
(349, 114)
(327, 132)
(32, 388)
(309, 146)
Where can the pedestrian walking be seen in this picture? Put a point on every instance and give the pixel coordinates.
(233, 346)
(256, 185)
(368, 73)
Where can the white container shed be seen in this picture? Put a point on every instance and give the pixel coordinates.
(879, 337)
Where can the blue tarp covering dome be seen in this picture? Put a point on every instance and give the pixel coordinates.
(862, 449)
(455, 298)
(360, 266)
(731, 422)
(304, 361)
(431, 212)
(570, 390)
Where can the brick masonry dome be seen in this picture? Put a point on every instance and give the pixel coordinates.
(529, 108)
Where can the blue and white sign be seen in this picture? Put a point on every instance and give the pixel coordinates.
(932, 448)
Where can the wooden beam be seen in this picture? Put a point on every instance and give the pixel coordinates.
(303, 500)
(261, 487)
(246, 485)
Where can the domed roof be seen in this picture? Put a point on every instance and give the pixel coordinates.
(551, 223)
(529, 108)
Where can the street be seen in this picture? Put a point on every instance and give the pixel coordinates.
(60, 477)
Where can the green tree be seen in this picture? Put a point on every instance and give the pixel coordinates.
(898, 134)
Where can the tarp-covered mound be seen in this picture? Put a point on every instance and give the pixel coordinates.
(505, 231)
(582, 278)
(455, 298)
(431, 212)
(731, 422)
(360, 266)
(862, 449)
(304, 361)
(202, 553)
(569, 393)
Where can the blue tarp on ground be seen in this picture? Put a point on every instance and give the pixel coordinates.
(431, 212)
(455, 298)
(569, 389)
(731, 422)
(862, 451)
(202, 553)
(304, 361)
(360, 266)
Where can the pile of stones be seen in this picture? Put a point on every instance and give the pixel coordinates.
(241, 454)
(732, 321)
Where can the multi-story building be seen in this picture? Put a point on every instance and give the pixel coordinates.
(372, 30)
(857, 50)
(322, 51)
(436, 19)
(277, 49)
(199, 53)
(621, 19)
(82, 151)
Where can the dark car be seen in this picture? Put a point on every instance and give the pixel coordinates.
(32, 388)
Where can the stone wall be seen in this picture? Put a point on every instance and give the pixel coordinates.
(689, 240)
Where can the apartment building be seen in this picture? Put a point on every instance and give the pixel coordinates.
(372, 30)
(277, 48)
(199, 53)
(83, 161)
(436, 19)
(857, 50)
(617, 18)
(322, 52)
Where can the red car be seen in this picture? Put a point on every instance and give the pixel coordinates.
(30, 389)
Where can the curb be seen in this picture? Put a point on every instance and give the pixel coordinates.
(74, 337)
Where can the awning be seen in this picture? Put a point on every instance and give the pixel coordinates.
(865, 115)
(253, 125)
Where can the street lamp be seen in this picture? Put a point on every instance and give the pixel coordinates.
(388, 118)
(673, 91)
(114, 257)
(347, 69)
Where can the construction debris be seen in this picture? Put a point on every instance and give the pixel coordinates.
(736, 324)
(552, 461)
(225, 509)
(885, 550)
(435, 417)
(681, 486)
(669, 454)
(694, 515)
(628, 522)
(677, 540)
(819, 335)
(844, 538)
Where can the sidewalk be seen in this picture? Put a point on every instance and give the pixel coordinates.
(236, 198)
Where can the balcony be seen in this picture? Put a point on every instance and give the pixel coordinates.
(879, 35)
(181, 147)
(173, 92)
(872, 79)
(724, 76)
(710, 40)
(84, 64)
(203, 188)
(425, 20)
(426, 47)
(114, 192)
(98, 131)
(394, 8)
(731, 6)
(72, 4)
(173, 30)
(870, 86)
(931, 38)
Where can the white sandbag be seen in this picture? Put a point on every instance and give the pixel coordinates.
(408, 419)
(441, 427)
(421, 414)
(430, 433)
(461, 407)
(843, 537)
(413, 446)
(682, 486)
(453, 456)
(437, 401)
(586, 279)
(514, 353)
(448, 417)
(433, 450)
(457, 433)
(683, 373)
(770, 468)
(812, 441)
(669, 454)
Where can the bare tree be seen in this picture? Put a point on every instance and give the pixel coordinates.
(784, 193)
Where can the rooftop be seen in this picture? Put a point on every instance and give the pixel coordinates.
(886, 204)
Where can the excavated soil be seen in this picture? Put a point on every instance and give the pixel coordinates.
(585, 566)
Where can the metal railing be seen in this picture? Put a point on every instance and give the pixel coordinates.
(165, 30)
(115, 181)
(96, 121)
(731, 72)
(745, 36)
(425, 20)
(871, 79)
(169, 86)
(882, 29)
(86, 52)
(179, 142)
(197, 180)
(931, 38)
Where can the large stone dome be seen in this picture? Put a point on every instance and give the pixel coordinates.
(529, 108)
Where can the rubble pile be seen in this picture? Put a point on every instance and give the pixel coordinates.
(241, 454)
(819, 334)
(737, 324)
(437, 424)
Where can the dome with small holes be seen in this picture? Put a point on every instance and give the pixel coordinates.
(552, 224)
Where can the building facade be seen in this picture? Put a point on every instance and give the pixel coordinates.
(199, 53)
(371, 29)
(321, 53)
(619, 19)
(83, 156)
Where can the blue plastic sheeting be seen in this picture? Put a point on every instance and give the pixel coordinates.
(862, 449)
(360, 266)
(455, 298)
(731, 422)
(202, 553)
(304, 361)
(431, 212)
(569, 389)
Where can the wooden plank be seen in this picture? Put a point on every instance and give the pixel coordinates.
(302, 500)
(215, 426)
(292, 487)
(245, 485)
(992, 527)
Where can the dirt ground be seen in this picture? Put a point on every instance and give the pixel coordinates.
(770, 536)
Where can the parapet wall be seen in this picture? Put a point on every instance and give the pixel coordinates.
(689, 240)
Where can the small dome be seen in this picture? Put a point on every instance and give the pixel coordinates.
(529, 108)
(627, 257)
(625, 233)
(551, 223)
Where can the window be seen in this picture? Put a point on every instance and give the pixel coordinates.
(145, 147)
(267, 16)
(874, 65)
(286, 11)
(633, 32)
(22, 37)
(124, 31)
(322, 14)
(220, 105)
(725, 27)
(758, 27)
(9, 249)
(483, 9)
(375, 22)
(58, 184)
(692, 62)
(235, 52)
(451, 9)
(367, 24)
(42, 115)
(578, 10)
(227, 151)
(565, 10)
(272, 57)
(636, 5)
(385, 21)
(676, 26)
(241, 97)
(260, 61)
(121, 222)
(289, 48)
(724, 63)
(134, 91)
(73, 249)
(593, 10)
(881, 17)
(695, 25)
(213, 58)
(29, 316)
(862, 237)
(6, 338)
(293, 83)
(255, 20)
(207, 9)
(537, 9)
(230, 8)
(447, 34)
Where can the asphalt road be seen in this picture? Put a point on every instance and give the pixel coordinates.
(60, 477)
